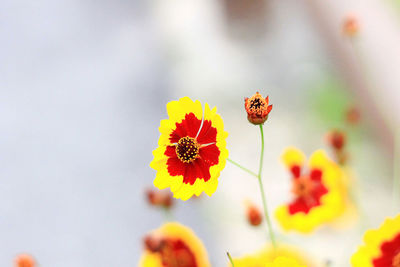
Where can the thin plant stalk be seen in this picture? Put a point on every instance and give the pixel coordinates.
(396, 176)
(230, 259)
(264, 200)
(243, 168)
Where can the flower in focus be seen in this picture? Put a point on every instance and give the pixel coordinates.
(173, 245)
(191, 149)
(159, 198)
(351, 26)
(381, 246)
(254, 215)
(318, 194)
(24, 260)
(257, 108)
(271, 257)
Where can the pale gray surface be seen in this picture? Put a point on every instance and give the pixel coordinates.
(82, 88)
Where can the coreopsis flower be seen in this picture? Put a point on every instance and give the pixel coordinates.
(253, 213)
(381, 246)
(257, 108)
(24, 260)
(318, 194)
(271, 257)
(351, 26)
(159, 198)
(173, 245)
(191, 149)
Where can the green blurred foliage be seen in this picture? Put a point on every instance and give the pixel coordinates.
(396, 4)
(329, 101)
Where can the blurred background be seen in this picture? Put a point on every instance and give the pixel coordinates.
(84, 84)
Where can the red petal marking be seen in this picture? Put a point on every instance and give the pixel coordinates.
(390, 250)
(299, 205)
(189, 126)
(269, 108)
(319, 191)
(209, 155)
(316, 175)
(208, 134)
(176, 167)
(198, 169)
(305, 204)
(170, 152)
(175, 253)
(295, 169)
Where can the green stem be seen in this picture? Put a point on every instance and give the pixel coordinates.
(243, 168)
(230, 259)
(396, 177)
(268, 220)
(168, 216)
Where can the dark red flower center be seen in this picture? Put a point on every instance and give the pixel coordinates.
(173, 252)
(257, 103)
(390, 256)
(308, 190)
(193, 150)
(187, 149)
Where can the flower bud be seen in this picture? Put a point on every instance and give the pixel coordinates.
(159, 198)
(351, 26)
(254, 215)
(257, 108)
(153, 243)
(336, 139)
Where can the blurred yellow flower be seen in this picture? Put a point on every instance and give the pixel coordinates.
(284, 262)
(191, 149)
(381, 246)
(173, 245)
(273, 257)
(319, 195)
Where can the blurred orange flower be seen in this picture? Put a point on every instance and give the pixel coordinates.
(318, 194)
(173, 245)
(257, 108)
(351, 26)
(254, 215)
(381, 246)
(24, 260)
(191, 149)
